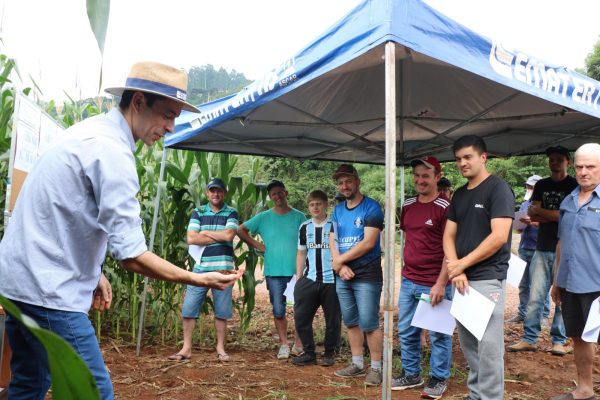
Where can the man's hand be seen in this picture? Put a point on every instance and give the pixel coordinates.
(337, 264)
(261, 247)
(436, 294)
(102, 295)
(555, 294)
(461, 283)
(346, 273)
(526, 220)
(533, 210)
(455, 268)
(218, 280)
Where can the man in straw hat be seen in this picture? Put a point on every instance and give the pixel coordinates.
(79, 199)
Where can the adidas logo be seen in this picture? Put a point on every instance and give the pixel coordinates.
(428, 222)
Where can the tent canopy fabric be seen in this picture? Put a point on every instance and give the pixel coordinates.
(327, 102)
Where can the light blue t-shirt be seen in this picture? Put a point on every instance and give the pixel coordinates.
(280, 235)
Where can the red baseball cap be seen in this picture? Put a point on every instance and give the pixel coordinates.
(429, 161)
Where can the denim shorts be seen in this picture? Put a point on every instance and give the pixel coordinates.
(359, 302)
(276, 286)
(195, 296)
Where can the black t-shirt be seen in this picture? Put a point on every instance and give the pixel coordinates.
(551, 193)
(473, 210)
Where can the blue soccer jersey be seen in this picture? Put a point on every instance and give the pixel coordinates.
(350, 226)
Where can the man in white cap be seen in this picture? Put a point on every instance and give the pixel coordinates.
(527, 247)
(79, 199)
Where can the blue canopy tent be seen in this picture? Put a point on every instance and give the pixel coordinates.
(391, 81)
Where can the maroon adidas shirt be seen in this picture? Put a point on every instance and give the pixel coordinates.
(423, 225)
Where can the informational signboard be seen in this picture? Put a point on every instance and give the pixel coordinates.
(33, 131)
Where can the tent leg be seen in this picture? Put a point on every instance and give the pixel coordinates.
(390, 217)
(151, 248)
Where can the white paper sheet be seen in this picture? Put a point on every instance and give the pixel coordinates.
(517, 224)
(196, 252)
(289, 291)
(473, 311)
(436, 319)
(516, 269)
(592, 325)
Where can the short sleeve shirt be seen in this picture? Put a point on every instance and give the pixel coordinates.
(216, 256)
(550, 194)
(530, 233)
(314, 239)
(280, 235)
(423, 225)
(579, 231)
(473, 210)
(350, 224)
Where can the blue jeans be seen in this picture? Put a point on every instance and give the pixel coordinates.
(359, 302)
(276, 286)
(526, 255)
(29, 361)
(195, 297)
(541, 271)
(410, 336)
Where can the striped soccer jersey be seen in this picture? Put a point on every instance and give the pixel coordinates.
(314, 238)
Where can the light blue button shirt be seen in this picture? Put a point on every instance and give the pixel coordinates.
(79, 197)
(579, 234)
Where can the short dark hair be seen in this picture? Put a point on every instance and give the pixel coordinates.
(275, 183)
(470, 140)
(127, 96)
(317, 195)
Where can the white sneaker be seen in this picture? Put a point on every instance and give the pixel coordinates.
(296, 351)
(284, 352)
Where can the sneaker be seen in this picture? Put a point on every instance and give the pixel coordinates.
(374, 377)
(305, 359)
(296, 351)
(350, 371)
(404, 382)
(522, 345)
(327, 360)
(515, 320)
(560, 349)
(435, 388)
(284, 352)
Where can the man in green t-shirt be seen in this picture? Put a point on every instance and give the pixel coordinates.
(278, 228)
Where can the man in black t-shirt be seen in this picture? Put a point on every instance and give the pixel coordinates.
(477, 247)
(547, 195)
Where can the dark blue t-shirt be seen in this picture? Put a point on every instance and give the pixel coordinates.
(350, 227)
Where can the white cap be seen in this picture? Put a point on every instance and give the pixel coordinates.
(532, 180)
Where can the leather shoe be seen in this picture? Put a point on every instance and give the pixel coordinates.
(522, 346)
(560, 349)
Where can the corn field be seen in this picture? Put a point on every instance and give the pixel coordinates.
(187, 174)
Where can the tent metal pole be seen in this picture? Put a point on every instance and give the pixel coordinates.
(151, 248)
(390, 217)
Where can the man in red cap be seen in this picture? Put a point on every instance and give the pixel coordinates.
(423, 220)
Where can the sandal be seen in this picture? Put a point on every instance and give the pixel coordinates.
(223, 357)
(178, 357)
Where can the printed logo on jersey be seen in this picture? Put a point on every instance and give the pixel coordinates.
(429, 222)
(477, 205)
(358, 222)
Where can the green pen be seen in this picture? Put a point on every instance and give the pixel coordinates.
(426, 299)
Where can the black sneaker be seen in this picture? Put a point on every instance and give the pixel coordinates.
(305, 359)
(327, 360)
(435, 388)
(404, 382)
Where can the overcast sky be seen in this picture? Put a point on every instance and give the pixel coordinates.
(52, 40)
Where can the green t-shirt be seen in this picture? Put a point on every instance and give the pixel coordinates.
(280, 235)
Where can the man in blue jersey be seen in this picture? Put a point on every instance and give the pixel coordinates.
(316, 283)
(212, 226)
(357, 262)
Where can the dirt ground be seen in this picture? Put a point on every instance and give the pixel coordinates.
(255, 373)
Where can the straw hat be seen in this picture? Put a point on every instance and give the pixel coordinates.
(161, 79)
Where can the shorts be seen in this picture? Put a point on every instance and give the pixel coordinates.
(575, 310)
(195, 296)
(359, 302)
(276, 286)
